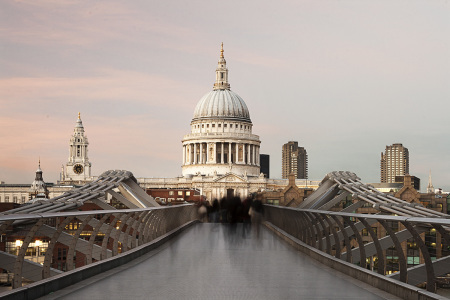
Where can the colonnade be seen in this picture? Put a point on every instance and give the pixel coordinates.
(220, 153)
(78, 152)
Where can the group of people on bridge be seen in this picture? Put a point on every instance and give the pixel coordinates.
(232, 211)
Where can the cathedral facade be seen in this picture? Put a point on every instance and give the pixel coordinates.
(221, 155)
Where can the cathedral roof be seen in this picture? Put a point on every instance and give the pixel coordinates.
(221, 102)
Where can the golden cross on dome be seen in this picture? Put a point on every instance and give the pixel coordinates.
(221, 51)
(79, 115)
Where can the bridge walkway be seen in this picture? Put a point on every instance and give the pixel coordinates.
(219, 261)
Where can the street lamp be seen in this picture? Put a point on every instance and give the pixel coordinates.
(37, 243)
(18, 245)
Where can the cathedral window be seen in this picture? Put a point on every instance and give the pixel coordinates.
(6, 198)
(15, 199)
(213, 125)
(221, 75)
(225, 125)
(220, 125)
(231, 125)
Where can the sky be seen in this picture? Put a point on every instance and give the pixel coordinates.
(343, 78)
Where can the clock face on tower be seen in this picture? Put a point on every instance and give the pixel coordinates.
(78, 169)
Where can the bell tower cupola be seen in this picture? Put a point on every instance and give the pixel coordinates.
(78, 167)
(221, 73)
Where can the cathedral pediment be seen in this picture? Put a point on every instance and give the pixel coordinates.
(230, 177)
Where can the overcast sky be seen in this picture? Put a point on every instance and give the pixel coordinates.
(343, 78)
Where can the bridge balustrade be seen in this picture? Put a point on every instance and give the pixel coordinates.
(37, 246)
(353, 238)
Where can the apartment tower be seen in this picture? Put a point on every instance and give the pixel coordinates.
(294, 160)
(394, 162)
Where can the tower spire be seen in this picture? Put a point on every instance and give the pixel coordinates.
(430, 187)
(221, 73)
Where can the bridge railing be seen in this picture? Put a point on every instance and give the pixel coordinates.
(362, 239)
(37, 246)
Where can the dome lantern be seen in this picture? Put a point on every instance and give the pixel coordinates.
(221, 73)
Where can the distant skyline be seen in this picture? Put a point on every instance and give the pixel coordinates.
(343, 78)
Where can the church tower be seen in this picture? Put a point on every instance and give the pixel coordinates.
(430, 187)
(38, 188)
(78, 167)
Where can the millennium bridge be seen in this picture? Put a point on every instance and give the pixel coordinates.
(314, 251)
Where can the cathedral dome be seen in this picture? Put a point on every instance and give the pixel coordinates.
(223, 104)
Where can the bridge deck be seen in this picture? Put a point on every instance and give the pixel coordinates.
(215, 261)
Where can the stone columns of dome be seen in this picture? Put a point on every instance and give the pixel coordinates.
(238, 153)
(188, 148)
(201, 153)
(257, 156)
(195, 153)
(184, 155)
(210, 153)
(215, 153)
(249, 162)
(205, 153)
(254, 154)
(187, 154)
(229, 153)
(221, 152)
(191, 154)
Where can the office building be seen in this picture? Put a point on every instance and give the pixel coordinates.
(294, 160)
(394, 162)
(264, 160)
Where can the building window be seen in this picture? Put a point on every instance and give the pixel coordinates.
(171, 193)
(6, 198)
(213, 125)
(219, 125)
(23, 199)
(231, 125)
(15, 199)
(225, 125)
(188, 193)
(180, 193)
